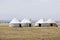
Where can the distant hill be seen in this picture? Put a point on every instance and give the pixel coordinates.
(7, 21)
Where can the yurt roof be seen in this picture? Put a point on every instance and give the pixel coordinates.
(51, 21)
(40, 21)
(14, 20)
(26, 21)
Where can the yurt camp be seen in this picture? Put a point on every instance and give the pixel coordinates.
(26, 23)
(40, 23)
(14, 23)
(51, 22)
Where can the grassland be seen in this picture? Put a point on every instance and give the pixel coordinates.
(29, 33)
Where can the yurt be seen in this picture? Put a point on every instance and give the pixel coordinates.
(26, 23)
(14, 23)
(40, 23)
(51, 22)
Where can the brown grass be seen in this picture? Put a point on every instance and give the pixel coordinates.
(29, 33)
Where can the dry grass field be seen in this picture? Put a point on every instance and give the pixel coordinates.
(29, 33)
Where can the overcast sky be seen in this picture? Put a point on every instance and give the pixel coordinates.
(34, 9)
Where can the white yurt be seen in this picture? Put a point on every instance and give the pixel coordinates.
(26, 23)
(51, 22)
(40, 23)
(15, 23)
